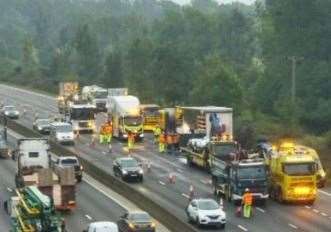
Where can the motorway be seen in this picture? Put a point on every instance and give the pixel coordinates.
(95, 202)
(272, 217)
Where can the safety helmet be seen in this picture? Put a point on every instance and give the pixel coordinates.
(247, 190)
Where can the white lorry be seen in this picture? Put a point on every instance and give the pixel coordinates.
(34, 169)
(126, 117)
(96, 96)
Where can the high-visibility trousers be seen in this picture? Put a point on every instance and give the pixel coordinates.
(101, 138)
(130, 144)
(156, 139)
(247, 211)
(161, 147)
(108, 138)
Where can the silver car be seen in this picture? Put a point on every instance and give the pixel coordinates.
(11, 112)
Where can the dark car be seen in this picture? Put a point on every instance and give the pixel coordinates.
(43, 126)
(136, 222)
(128, 168)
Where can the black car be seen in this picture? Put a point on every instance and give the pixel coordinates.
(138, 221)
(128, 168)
(42, 126)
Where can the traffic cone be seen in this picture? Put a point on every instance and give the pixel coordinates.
(149, 166)
(172, 178)
(191, 194)
(92, 144)
(221, 203)
(77, 134)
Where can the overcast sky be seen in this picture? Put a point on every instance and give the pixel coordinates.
(220, 1)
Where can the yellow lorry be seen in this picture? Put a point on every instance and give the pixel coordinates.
(151, 115)
(293, 148)
(293, 178)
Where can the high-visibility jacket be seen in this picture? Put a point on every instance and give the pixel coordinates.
(157, 131)
(248, 199)
(103, 130)
(131, 137)
(162, 138)
(108, 129)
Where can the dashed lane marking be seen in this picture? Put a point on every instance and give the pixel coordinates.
(88, 217)
(9, 189)
(324, 214)
(325, 193)
(293, 226)
(316, 211)
(161, 183)
(242, 228)
(260, 209)
(307, 206)
(185, 195)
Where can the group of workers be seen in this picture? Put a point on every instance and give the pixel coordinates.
(169, 142)
(106, 134)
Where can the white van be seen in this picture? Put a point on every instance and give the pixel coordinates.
(102, 227)
(62, 132)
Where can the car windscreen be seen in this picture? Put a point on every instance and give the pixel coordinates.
(43, 122)
(9, 108)
(299, 169)
(82, 114)
(223, 150)
(208, 205)
(69, 162)
(253, 172)
(101, 95)
(64, 128)
(132, 121)
(140, 217)
(129, 163)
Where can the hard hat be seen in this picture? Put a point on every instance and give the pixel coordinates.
(247, 190)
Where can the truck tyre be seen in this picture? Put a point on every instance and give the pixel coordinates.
(79, 179)
(279, 195)
(311, 202)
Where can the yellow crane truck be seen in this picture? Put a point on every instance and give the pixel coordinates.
(293, 178)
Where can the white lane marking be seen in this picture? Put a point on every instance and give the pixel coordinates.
(307, 206)
(204, 182)
(325, 193)
(242, 228)
(161, 183)
(261, 210)
(185, 195)
(293, 226)
(9, 189)
(88, 217)
(324, 214)
(316, 211)
(180, 170)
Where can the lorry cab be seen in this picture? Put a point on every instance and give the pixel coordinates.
(230, 179)
(151, 116)
(293, 178)
(82, 117)
(62, 132)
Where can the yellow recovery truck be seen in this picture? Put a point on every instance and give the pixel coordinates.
(293, 178)
(151, 115)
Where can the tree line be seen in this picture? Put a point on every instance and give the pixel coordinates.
(200, 54)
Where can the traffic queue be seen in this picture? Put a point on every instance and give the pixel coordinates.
(202, 134)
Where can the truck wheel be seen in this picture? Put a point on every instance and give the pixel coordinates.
(279, 195)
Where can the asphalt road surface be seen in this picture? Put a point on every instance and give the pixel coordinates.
(174, 197)
(94, 201)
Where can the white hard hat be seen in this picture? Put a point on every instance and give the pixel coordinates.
(246, 189)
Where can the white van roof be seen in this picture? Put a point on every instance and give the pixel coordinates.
(104, 226)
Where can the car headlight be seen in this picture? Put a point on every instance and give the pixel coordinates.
(40, 128)
(124, 172)
(141, 171)
(141, 135)
(125, 135)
